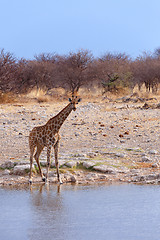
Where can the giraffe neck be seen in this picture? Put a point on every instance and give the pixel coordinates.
(59, 119)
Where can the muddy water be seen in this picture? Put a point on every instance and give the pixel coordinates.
(109, 212)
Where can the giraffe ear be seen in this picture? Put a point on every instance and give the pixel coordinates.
(70, 100)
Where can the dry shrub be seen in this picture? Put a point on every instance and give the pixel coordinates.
(90, 93)
(143, 93)
(7, 98)
(42, 95)
(38, 95)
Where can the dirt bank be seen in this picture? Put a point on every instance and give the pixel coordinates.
(123, 137)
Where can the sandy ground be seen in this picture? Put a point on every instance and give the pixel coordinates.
(124, 135)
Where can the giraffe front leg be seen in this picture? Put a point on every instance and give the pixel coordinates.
(32, 148)
(48, 162)
(56, 149)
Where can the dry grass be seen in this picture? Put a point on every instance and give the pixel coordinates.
(143, 94)
(42, 95)
(95, 94)
(7, 98)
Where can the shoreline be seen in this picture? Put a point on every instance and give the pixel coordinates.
(18, 175)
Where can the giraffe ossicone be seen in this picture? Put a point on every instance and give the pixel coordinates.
(48, 136)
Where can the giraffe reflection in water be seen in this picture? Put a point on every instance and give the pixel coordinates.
(48, 212)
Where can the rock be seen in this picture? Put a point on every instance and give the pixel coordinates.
(151, 177)
(61, 163)
(146, 159)
(78, 155)
(153, 152)
(147, 178)
(89, 177)
(94, 175)
(139, 178)
(155, 165)
(22, 163)
(21, 169)
(88, 164)
(71, 164)
(43, 163)
(91, 155)
(102, 176)
(52, 174)
(135, 171)
(7, 164)
(67, 177)
(73, 179)
(158, 106)
(121, 155)
(104, 169)
(6, 172)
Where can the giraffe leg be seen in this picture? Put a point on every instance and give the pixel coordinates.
(56, 150)
(32, 148)
(48, 161)
(36, 156)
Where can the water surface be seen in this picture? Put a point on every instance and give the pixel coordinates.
(109, 212)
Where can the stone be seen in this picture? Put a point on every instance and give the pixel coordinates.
(73, 179)
(52, 174)
(104, 169)
(146, 159)
(88, 177)
(158, 106)
(94, 175)
(7, 164)
(78, 155)
(91, 155)
(151, 177)
(153, 151)
(67, 177)
(71, 164)
(102, 176)
(120, 155)
(155, 165)
(21, 169)
(88, 164)
(22, 163)
(61, 163)
(43, 163)
(6, 172)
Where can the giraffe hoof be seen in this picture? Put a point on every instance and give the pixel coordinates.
(60, 182)
(44, 179)
(30, 181)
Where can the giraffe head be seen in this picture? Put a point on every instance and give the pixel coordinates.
(74, 100)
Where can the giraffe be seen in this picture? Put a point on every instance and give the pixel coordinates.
(48, 136)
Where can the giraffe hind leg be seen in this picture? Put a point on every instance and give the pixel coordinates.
(48, 161)
(36, 156)
(32, 149)
(56, 150)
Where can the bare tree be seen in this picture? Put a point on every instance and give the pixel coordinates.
(146, 70)
(8, 69)
(73, 69)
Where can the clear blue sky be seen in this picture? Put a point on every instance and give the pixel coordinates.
(29, 27)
